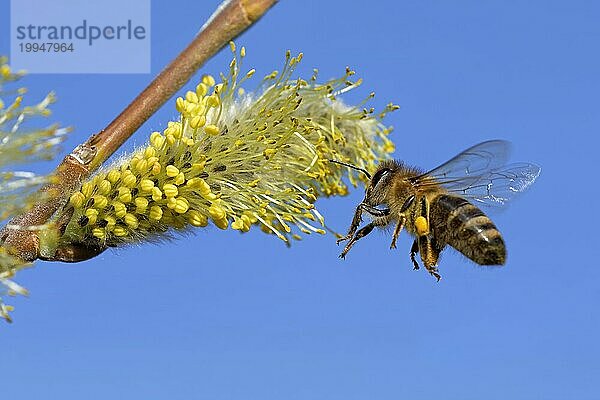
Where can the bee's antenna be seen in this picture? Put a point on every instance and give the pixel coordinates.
(364, 171)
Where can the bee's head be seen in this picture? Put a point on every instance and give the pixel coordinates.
(380, 183)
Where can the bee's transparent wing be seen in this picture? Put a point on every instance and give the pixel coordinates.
(481, 175)
(495, 187)
(476, 160)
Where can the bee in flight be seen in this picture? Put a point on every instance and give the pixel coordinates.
(440, 207)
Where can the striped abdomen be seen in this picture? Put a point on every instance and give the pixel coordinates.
(465, 227)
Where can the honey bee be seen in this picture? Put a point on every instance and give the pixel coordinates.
(440, 207)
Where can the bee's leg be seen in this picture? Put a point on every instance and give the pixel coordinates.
(397, 231)
(429, 256)
(357, 219)
(413, 252)
(362, 232)
(401, 220)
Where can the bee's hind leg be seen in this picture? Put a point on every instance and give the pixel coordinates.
(413, 252)
(429, 258)
(429, 252)
(429, 255)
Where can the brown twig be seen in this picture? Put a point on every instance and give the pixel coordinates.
(231, 19)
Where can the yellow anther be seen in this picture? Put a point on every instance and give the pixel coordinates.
(92, 215)
(213, 101)
(421, 226)
(131, 221)
(198, 184)
(197, 219)
(208, 80)
(133, 163)
(149, 152)
(201, 90)
(155, 169)
(100, 201)
(388, 146)
(104, 187)
(237, 224)
(217, 212)
(120, 209)
(99, 233)
(77, 199)
(141, 203)
(309, 216)
(190, 108)
(146, 185)
(191, 97)
(173, 127)
(129, 180)
(170, 190)
(124, 195)
(212, 130)
(181, 205)
(171, 171)
(268, 153)
(113, 176)
(179, 179)
(156, 213)
(87, 189)
(110, 223)
(142, 166)
(171, 202)
(157, 140)
(221, 223)
(248, 219)
(197, 121)
(5, 71)
(156, 194)
(180, 104)
(120, 231)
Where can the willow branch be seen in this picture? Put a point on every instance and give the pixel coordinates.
(231, 19)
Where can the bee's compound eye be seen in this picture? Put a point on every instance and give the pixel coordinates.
(379, 175)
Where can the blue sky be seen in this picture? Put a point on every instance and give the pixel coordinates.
(217, 315)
